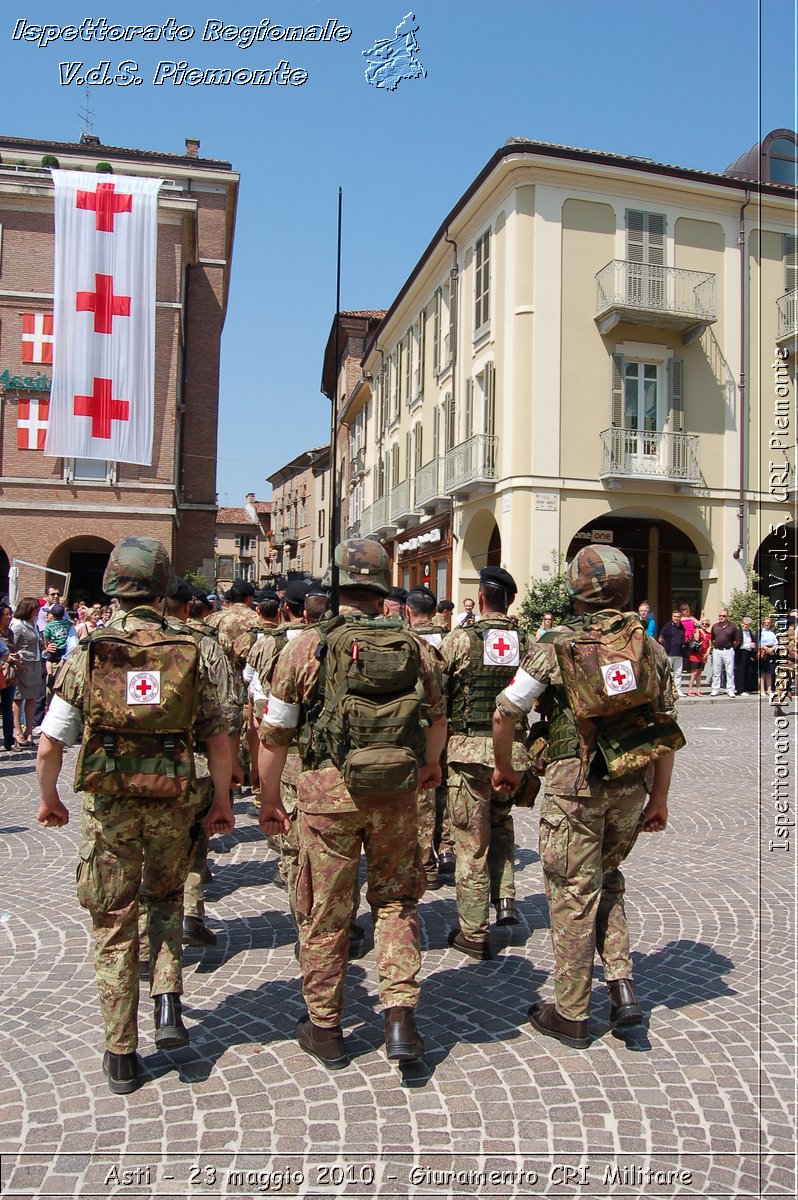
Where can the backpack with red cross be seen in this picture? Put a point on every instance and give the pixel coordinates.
(607, 664)
(142, 687)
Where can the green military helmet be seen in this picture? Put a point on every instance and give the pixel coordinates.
(600, 576)
(363, 563)
(138, 569)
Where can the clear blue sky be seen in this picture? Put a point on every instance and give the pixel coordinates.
(680, 83)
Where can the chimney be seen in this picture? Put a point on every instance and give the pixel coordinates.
(192, 147)
(90, 139)
(249, 506)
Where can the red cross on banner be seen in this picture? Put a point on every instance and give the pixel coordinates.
(105, 202)
(103, 303)
(101, 408)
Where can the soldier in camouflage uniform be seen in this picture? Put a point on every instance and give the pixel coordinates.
(420, 610)
(477, 660)
(333, 828)
(184, 611)
(588, 823)
(134, 847)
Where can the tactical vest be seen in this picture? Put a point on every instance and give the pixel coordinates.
(281, 637)
(139, 710)
(630, 737)
(472, 699)
(367, 718)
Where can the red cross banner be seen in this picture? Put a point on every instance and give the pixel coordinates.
(37, 338)
(32, 423)
(102, 398)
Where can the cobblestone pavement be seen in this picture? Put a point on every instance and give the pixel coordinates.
(705, 1090)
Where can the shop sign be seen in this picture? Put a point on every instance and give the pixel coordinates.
(25, 383)
(422, 539)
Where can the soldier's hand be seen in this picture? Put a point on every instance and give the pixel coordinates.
(273, 819)
(655, 816)
(429, 777)
(52, 813)
(220, 818)
(505, 780)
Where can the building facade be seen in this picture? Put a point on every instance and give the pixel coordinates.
(66, 514)
(243, 545)
(593, 348)
(301, 514)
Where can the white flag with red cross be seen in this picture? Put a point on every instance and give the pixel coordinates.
(37, 338)
(32, 417)
(102, 399)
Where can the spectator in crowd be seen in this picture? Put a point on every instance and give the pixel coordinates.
(466, 617)
(725, 640)
(29, 669)
(768, 647)
(8, 660)
(106, 612)
(87, 623)
(745, 673)
(697, 656)
(647, 617)
(545, 625)
(672, 638)
(53, 597)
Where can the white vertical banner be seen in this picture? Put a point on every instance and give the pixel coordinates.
(103, 392)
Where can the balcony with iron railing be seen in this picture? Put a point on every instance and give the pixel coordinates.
(787, 307)
(354, 530)
(665, 297)
(472, 464)
(430, 491)
(357, 463)
(375, 520)
(285, 533)
(633, 454)
(402, 510)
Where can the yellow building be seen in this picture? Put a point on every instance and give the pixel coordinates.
(585, 351)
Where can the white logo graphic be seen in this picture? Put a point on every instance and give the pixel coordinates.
(619, 677)
(501, 648)
(144, 687)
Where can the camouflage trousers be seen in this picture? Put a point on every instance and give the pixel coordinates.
(426, 831)
(484, 843)
(330, 846)
(134, 851)
(583, 840)
(289, 845)
(193, 891)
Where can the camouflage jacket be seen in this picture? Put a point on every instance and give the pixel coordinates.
(218, 669)
(538, 683)
(263, 659)
(462, 748)
(237, 619)
(432, 635)
(294, 689)
(440, 623)
(71, 681)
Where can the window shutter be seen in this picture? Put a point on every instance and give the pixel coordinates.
(618, 366)
(635, 236)
(676, 397)
(419, 446)
(449, 421)
(422, 347)
(408, 454)
(436, 420)
(436, 332)
(645, 237)
(490, 399)
(790, 262)
(656, 239)
(469, 410)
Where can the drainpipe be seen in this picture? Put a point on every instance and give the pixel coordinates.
(743, 362)
(453, 307)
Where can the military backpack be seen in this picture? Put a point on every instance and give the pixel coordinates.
(496, 647)
(139, 709)
(369, 724)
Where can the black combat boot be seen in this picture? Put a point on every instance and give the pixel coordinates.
(545, 1018)
(357, 940)
(402, 1041)
(446, 865)
(474, 949)
(506, 911)
(170, 1032)
(197, 933)
(121, 1071)
(624, 1008)
(327, 1046)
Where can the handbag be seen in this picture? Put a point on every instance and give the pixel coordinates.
(8, 675)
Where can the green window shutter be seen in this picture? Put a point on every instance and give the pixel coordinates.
(790, 262)
(676, 395)
(618, 367)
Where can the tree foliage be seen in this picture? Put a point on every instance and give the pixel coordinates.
(197, 579)
(545, 593)
(748, 602)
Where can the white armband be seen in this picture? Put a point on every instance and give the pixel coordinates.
(248, 673)
(523, 690)
(280, 714)
(63, 722)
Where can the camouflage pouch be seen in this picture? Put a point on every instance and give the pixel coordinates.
(528, 790)
(537, 744)
(637, 739)
(607, 666)
(141, 693)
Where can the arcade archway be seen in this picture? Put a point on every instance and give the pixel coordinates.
(85, 558)
(5, 566)
(776, 564)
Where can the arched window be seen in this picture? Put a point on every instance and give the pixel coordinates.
(783, 161)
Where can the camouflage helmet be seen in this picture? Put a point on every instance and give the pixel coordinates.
(362, 563)
(138, 569)
(600, 576)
